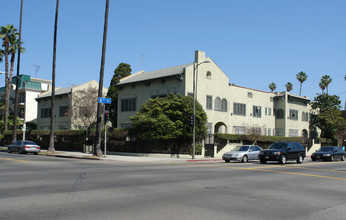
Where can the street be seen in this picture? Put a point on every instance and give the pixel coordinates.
(41, 187)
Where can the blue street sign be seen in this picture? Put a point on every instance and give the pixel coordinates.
(104, 100)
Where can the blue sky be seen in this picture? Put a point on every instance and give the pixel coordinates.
(255, 42)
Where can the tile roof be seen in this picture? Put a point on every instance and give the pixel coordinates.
(154, 74)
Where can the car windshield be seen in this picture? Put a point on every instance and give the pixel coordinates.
(326, 149)
(29, 142)
(241, 148)
(277, 146)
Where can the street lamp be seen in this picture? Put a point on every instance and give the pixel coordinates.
(194, 106)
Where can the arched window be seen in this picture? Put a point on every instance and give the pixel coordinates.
(224, 105)
(217, 104)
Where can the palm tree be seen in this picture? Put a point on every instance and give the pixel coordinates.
(301, 77)
(326, 80)
(51, 136)
(97, 150)
(272, 86)
(14, 133)
(289, 86)
(322, 86)
(7, 34)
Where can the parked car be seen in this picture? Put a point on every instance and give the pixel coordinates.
(329, 153)
(242, 153)
(283, 151)
(24, 147)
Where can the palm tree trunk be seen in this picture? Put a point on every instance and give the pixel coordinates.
(97, 150)
(300, 89)
(52, 115)
(7, 86)
(14, 133)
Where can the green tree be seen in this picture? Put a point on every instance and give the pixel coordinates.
(272, 86)
(10, 122)
(328, 115)
(8, 34)
(120, 72)
(289, 86)
(301, 77)
(325, 81)
(168, 118)
(322, 86)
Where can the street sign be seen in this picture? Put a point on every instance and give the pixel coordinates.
(104, 100)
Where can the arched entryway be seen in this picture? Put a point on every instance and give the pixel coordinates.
(220, 127)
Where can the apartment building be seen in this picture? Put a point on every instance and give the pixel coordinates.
(230, 108)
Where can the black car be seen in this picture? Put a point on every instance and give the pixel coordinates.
(329, 153)
(282, 152)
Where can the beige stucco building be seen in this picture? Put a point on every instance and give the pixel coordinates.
(230, 108)
(67, 115)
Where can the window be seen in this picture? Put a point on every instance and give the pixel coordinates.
(305, 116)
(239, 109)
(45, 113)
(293, 133)
(280, 114)
(239, 129)
(208, 75)
(266, 111)
(269, 111)
(269, 131)
(125, 125)
(249, 94)
(63, 127)
(217, 106)
(209, 128)
(128, 105)
(293, 114)
(224, 105)
(279, 132)
(256, 130)
(209, 102)
(256, 111)
(45, 128)
(190, 94)
(63, 111)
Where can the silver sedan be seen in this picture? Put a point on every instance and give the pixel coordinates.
(24, 147)
(242, 153)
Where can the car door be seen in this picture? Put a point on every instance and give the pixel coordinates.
(252, 153)
(15, 146)
(290, 151)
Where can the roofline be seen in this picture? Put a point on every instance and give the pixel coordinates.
(243, 87)
(162, 77)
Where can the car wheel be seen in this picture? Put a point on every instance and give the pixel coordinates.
(342, 158)
(313, 159)
(245, 159)
(332, 158)
(227, 161)
(283, 159)
(35, 153)
(263, 161)
(9, 150)
(20, 151)
(300, 159)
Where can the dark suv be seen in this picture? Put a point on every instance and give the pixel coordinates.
(283, 151)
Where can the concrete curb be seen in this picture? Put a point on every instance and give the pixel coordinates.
(74, 157)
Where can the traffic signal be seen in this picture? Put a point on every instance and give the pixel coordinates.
(191, 121)
(106, 116)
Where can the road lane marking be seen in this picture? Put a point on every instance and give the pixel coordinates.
(15, 160)
(262, 170)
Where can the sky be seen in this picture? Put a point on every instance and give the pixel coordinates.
(254, 42)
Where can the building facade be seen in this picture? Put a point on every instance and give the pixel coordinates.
(69, 106)
(29, 89)
(230, 108)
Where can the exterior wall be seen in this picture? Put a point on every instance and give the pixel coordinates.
(59, 121)
(31, 106)
(142, 92)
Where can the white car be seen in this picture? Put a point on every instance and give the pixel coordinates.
(242, 153)
(24, 147)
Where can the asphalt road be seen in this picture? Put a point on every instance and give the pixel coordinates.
(40, 187)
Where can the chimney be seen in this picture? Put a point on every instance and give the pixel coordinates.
(199, 56)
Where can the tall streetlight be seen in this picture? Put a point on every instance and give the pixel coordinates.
(195, 72)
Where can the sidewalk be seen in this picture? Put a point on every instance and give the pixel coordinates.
(89, 156)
